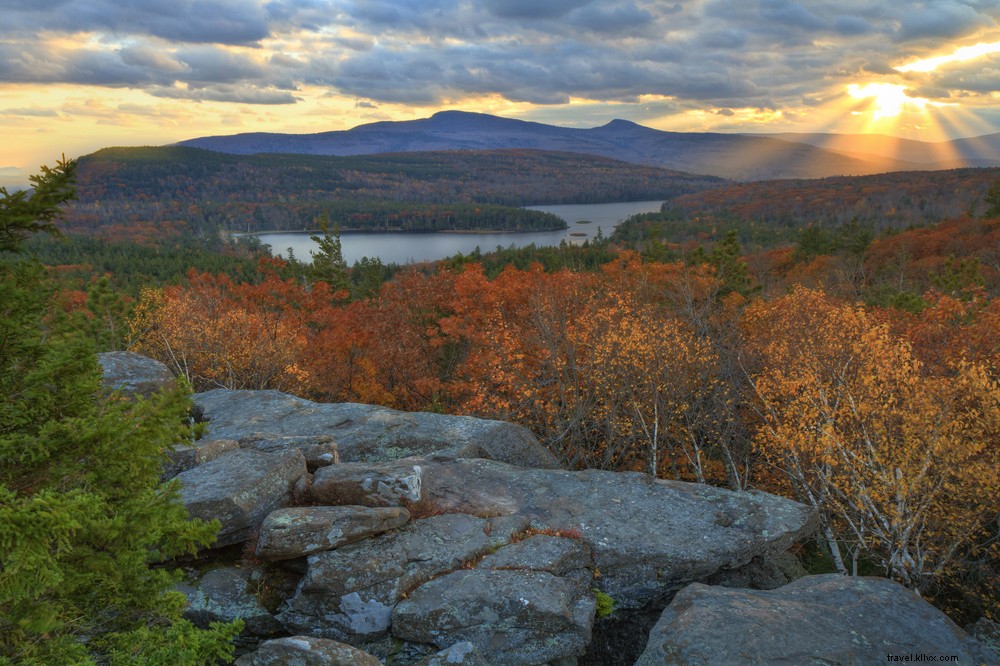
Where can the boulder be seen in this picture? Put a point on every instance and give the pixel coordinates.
(306, 651)
(648, 538)
(223, 595)
(183, 457)
(987, 633)
(133, 374)
(396, 483)
(365, 433)
(319, 450)
(464, 653)
(299, 531)
(240, 489)
(348, 594)
(519, 618)
(829, 619)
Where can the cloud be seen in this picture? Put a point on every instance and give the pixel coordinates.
(941, 20)
(533, 9)
(195, 21)
(616, 20)
(852, 25)
(31, 112)
(790, 13)
(226, 93)
(705, 54)
(147, 57)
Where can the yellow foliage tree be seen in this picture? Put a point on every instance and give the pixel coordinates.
(650, 374)
(902, 464)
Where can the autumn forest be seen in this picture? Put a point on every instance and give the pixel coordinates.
(834, 341)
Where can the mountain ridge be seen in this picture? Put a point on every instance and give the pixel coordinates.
(747, 157)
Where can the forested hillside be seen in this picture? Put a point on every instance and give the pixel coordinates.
(467, 190)
(770, 212)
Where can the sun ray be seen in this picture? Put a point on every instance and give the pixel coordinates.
(958, 55)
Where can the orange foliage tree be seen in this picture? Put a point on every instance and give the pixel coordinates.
(389, 350)
(220, 334)
(901, 462)
(611, 370)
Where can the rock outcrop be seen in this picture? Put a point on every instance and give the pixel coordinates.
(464, 654)
(240, 489)
(649, 538)
(829, 619)
(224, 594)
(301, 531)
(183, 457)
(133, 374)
(348, 594)
(523, 617)
(365, 433)
(307, 651)
(318, 451)
(422, 539)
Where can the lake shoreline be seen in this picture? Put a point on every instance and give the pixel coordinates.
(473, 232)
(410, 247)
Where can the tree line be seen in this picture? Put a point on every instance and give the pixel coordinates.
(467, 190)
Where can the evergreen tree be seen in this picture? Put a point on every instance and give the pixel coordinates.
(328, 262)
(993, 201)
(82, 514)
(367, 276)
(22, 214)
(725, 257)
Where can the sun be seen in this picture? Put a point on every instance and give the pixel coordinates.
(888, 100)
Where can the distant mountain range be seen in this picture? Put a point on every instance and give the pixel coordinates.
(735, 156)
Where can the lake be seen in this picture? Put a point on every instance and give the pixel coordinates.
(406, 248)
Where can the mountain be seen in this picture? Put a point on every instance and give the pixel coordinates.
(735, 156)
(981, 151)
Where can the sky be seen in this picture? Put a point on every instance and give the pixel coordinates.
(79, 75)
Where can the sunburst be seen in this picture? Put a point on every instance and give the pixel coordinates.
(888, 100)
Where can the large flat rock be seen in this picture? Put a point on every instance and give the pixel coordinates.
(649, 538)
(365, 433)
(829, 619)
